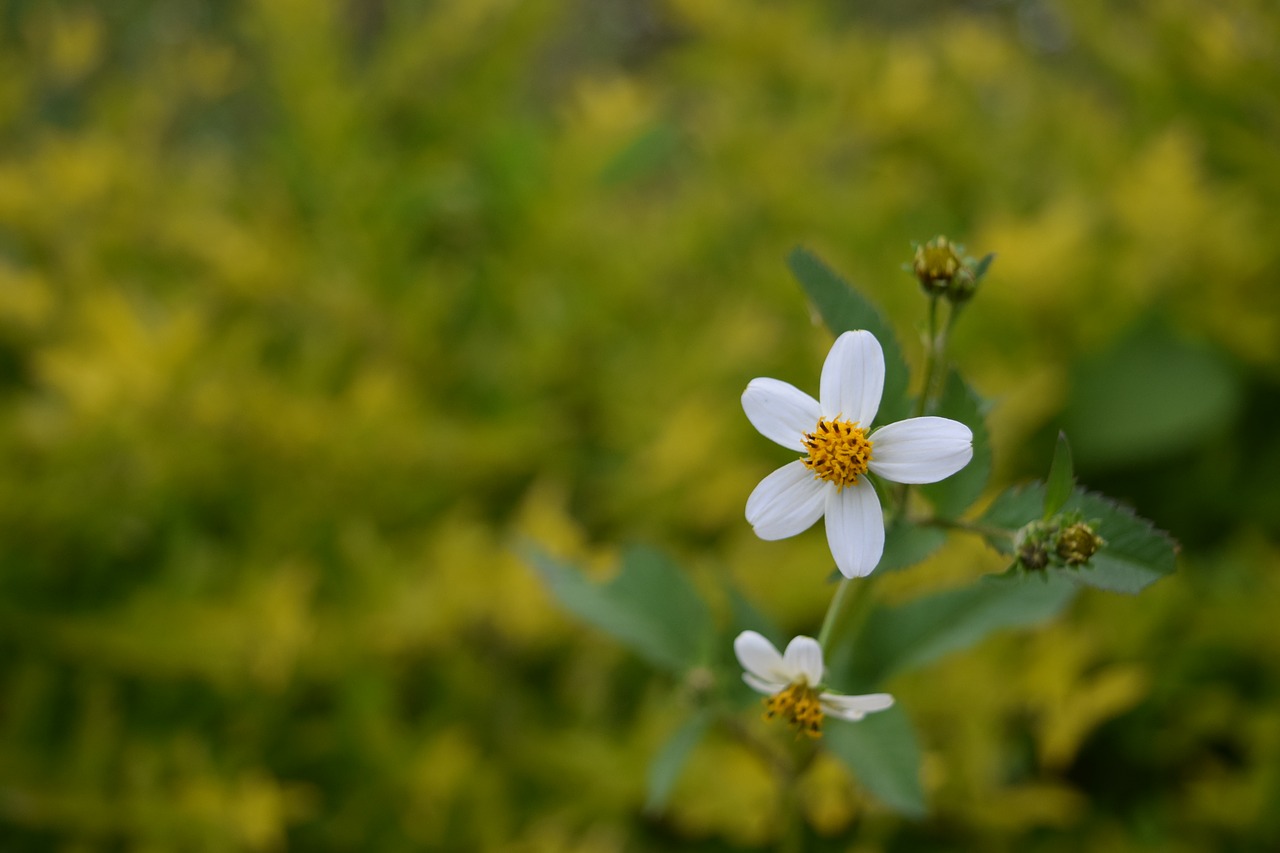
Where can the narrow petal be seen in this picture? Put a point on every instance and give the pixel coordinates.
(787, 502)
(804, 657)
(760, 659)
(761, 685)
(921, 450)
(853, 378)
(782, 412)
(854, 708)
(855, 529)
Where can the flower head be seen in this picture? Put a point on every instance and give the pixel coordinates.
(840, 450)
(1078, 542)
(792, 683)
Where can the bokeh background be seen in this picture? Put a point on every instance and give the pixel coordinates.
(310, 312)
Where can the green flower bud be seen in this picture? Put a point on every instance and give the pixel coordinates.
(936, 265)
(1077, 543)
(1033, 556)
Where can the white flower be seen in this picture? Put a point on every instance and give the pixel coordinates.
(833, 434)
(792, 681)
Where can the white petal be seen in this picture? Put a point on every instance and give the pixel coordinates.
(782, 412)
(920, 450)
(759, 658)
(760, 685)
(804, 657)
(853, 378)
(855, 529)
(787, 502)
(854, 708)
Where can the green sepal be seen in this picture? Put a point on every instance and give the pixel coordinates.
(884, 755)
(980, 268)
(650, 606)
(842, 309)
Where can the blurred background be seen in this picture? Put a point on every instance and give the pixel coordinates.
(310, 312)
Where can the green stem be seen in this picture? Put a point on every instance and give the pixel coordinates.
(833, 611)
(932, 355)
(847, 611)
(967, 527)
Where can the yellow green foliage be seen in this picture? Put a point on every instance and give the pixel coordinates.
(311, 312)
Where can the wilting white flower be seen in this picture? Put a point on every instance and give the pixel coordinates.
(834, 434)
(793, 680)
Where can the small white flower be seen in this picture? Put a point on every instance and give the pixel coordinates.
(792, 681)
(833, 434)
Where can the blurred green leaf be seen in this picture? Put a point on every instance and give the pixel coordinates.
(883, 753)
(906, 544)
(921, 631)
(980, 269)
(842, 308)
(1136, 553)
(644, 155)
(743, 616)
(668, 764)
(650, 606)
(1061, 477)
(955, 494)
(1151, 395)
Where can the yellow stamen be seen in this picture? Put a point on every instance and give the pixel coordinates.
(838, 451)
(799, 706)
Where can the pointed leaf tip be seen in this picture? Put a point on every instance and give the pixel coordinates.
(1062, 478)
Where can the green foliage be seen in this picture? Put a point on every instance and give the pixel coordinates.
(650, 607)
(922, 631)
(1136, 553)
(671, 759)
(1062, 480)
(952, 496)
(843, 309)
(308, 309)
(883, 753)
(907, 543)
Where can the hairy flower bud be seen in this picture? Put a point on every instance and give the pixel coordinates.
(1033, 556)
(936, 264)
(1077, 543)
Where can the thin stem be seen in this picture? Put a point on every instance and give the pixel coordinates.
(847, 612)
(833, 611)
(932, 355)
(967, 527)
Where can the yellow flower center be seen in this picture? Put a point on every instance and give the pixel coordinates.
(799, 706)
(838, 451)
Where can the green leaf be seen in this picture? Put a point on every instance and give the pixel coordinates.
(884, 755)
(668, 764)
(842, 308)
(1012, 510)
(1136, 553)
(921, 631)
(1062, 478)
(906, 544)
(1132, 403)
(650, 606)
(952, 496)
(744, 616)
